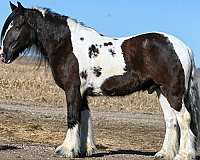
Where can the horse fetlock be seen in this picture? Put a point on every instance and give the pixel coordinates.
(88, 150)
(185, 156)
(68, 152)
(159, 155)
(91, 149)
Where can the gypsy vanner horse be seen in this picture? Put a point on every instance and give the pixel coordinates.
(85, 63)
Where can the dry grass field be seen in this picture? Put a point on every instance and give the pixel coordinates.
(23, 83)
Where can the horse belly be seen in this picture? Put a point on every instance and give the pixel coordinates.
(126, 84)
(94, 84)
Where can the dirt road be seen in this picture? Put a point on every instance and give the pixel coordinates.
(32, 132)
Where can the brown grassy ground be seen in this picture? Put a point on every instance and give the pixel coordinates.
(25, 84)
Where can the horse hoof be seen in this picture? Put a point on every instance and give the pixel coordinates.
(91, 150)
(66, 152)
(162, 155)
(159, 156)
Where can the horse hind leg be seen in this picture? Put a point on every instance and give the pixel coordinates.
(171, 143)
(187, 147)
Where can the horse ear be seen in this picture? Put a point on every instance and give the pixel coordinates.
(20, 6)
(12, 6)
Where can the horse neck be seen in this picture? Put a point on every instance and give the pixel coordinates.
(50, 36)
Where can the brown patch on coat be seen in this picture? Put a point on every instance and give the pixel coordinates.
(152, 64)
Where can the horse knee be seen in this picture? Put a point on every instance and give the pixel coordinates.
(184, 118)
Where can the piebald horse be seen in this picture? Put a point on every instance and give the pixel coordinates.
(85, 63)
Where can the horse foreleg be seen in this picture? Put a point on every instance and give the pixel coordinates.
(86, 135)
(171, 143)
(71, 144)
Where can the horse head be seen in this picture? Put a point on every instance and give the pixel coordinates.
(17, 34)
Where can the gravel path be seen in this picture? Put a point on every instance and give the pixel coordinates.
(135, 136)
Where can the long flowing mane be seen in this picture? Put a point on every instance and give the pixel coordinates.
(48, 13)
(56, 18)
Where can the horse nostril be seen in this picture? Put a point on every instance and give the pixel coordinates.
(2, 55)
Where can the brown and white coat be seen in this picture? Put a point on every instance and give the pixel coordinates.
(86, 63)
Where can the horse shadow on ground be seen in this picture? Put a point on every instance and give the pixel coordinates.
(120, 151)
(116, 152)
(102, 153)
(8, 147)
(124, 152)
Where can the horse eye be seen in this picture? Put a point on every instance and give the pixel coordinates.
(17, 28)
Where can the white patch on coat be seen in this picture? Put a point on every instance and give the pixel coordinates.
(111, 65)
(184, 54)
(71, 144)
(9, 28)
(171, 141)
(1, 51)
(41, 10)
(145, 43)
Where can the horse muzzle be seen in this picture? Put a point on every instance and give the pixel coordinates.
(2, 55)
(4, 58)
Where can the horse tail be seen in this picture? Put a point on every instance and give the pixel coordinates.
(192, 98)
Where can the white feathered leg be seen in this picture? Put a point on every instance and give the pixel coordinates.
(171, 143)
(71, 144)
(187, 140)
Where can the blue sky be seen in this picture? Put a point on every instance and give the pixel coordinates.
(128, 17)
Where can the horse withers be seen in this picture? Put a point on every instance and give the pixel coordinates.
(85, 63)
